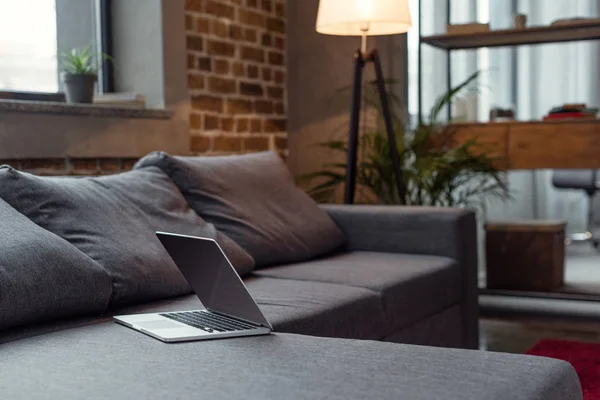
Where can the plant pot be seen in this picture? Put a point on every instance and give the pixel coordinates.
(79, 88)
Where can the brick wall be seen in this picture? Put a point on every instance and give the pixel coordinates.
(236, 75)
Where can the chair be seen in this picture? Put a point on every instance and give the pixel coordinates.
(583, 180)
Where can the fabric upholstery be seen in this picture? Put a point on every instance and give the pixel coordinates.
(113, 220)
(444, 232)
(399, 279)
(253, 199)
(310, 308)
(112, 361)
(43, 277)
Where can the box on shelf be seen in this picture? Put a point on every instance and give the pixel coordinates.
(473, 27)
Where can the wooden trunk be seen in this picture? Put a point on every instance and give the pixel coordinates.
(525, 255)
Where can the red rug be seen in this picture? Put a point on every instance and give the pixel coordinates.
(584, 357)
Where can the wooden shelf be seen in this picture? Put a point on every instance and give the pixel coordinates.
(567, 144)
(516, 37)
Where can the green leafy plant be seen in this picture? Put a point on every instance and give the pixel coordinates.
(437, 168)
(81, 61)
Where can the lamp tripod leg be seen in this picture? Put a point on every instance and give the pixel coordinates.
(354, 127)
(389, 127)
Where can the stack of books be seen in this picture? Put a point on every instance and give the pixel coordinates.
(572, 111)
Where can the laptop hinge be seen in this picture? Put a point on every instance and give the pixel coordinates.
(236, 318)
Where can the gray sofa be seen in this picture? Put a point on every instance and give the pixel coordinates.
(74, 251)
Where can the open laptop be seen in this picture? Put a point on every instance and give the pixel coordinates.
(230, 309)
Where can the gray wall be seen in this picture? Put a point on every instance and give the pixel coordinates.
(318, 66)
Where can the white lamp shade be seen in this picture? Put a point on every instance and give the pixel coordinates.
(358, 17)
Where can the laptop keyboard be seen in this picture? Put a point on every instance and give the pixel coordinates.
(208, 322)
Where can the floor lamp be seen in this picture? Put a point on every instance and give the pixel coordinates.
(365, 18)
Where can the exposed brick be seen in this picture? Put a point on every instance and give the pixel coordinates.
(58, 163)
(202, 25)
(195, 81)
(252, 3)
(265, 39)
(220, 9)
(207, 103)
(195, 121)
(252, 54)
(256, 125)
(222, 66)
(204, 64)
(200, 143)
(237, 1)
(194, 5)
(275, 58)
(227, 124)
(266, 5)
(236, 32)
(238, 69)
(256, 143)
(217, 47)
(280, 43)
(250, 35)
(275, 125)
(127, 163)
(195, 43)
(191, 61)
(263, 106)
(110, 164)
(83, 164)
(239, 106)
(280, 10)
(227, 143)
(275, 92)
(252, 71)
(242, 125)
(279, 76)
(211, 122)
(189, 22)
(275, 25)
(280, 108)
(281, 143)
(219, 28)
(266, 73)
(251, 89)
(251, 18)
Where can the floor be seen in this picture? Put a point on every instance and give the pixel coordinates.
(517, 336)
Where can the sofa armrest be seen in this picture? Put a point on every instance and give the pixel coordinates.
(443, 232)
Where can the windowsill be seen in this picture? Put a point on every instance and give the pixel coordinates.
(91, 110)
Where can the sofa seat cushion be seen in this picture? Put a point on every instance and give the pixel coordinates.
(253, 199)
(310, 308)
(43, 277)
(113, 219)
(411, 287)
(110, 361)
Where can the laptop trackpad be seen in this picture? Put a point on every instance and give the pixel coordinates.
(158, 324)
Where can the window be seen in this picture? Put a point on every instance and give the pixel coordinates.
(33, 32)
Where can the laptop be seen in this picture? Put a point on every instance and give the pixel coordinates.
(230, 310)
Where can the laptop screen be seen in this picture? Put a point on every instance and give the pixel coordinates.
(211, 276)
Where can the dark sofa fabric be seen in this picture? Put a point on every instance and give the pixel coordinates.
(253, 199)
(398, 279)
(443, 232)
(109, 361)
(43, 277)
(113, 220)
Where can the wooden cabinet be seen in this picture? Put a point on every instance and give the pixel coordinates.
(569, 144)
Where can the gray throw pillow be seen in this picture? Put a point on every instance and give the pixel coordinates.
(113, 220)
(43, 277)
(253, 199)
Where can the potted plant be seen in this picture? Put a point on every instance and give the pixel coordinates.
(79, 74)
(437, 169)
